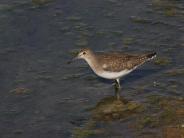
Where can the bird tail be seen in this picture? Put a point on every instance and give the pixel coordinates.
(151, 55)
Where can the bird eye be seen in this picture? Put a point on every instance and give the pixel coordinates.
(84, 53)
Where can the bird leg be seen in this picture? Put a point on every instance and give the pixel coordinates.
(117, 88)
(118, 83)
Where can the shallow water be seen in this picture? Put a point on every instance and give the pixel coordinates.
(43, 96)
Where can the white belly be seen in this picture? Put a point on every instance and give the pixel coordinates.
(113, 75)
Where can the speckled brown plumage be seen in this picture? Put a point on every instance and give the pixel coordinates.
(117, 61)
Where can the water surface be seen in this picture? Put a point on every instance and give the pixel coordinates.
(42, 96)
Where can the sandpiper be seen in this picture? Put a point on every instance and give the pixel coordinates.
(113, 65)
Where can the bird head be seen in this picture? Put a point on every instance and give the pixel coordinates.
(84, 54)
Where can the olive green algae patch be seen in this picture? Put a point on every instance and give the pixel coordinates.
(147, 121)
(162, 111)
(170, 12)
(74, 52)
(168, 8)
(83, 133)
(20, 90)
(41, 2)
(140, 20)
(156, 113)
(162, 61)
(74, 18)
(88, 130)
(128, 40)
(109, 109)
(5, 7)
(175, 72)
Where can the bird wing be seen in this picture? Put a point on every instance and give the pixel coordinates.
(118, 61)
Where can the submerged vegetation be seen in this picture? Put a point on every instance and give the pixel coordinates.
(162, 61)
(110, 109)
(128, 40)
(41, 2)
(20, 90)
(168, 7)
(175, 72)
(163, 111)
(158, 112)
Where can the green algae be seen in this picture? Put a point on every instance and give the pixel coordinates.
(41, 2)
(85, 33)
(74, 18)
(88, 130)
(69, 33)
(167, 116)
(164, 3)
(128, 40)
(154, 99)
(147, 121)
(175, 72)
(101, 33)
(74, 52)
(162, 61)
(80, 26)
(15, 6)
(5, 7)
(167, 7)
(112, 44)
(83, 133)
(168, 110)
(43, 77)
(20, 91)
(110, 109)
(107, 110)
(140, 20)
(117, 33)
(170, 12)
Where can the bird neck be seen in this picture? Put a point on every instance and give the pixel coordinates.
(93, 63)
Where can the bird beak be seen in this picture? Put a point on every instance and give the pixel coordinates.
(75, 58)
